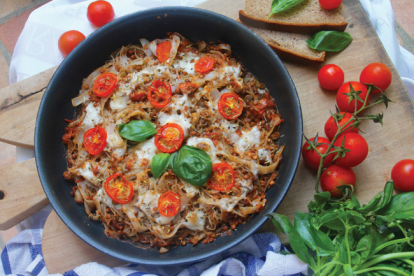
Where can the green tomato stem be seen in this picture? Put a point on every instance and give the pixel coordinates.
(386, 257)
(381, 268)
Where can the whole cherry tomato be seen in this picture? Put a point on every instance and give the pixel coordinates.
(403, 175)
(169, 204)
(331, 77)
(342, 100)
(100, 12)
(312, 158)
(358, 146)
(69, 40)
(222, 177)
(335, 176)
(331, 128)
(377, 74)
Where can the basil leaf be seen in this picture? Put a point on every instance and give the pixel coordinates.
(159, 164)
(192, 165)
(331, 41)
(283, 5)
(401, 207)
(137, 131)
(379, 201)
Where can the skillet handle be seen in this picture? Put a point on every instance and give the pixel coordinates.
(21, 194)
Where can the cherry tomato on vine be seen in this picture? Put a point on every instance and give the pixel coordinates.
(222, 177)
(335, 176)
(94, 140)
(342, 100)
(331, 128)
(104, 84)
(230, 106)
(119, 189)
(169, 204)
(330, 4)
(69, 40)
(204, 64)
(403, 175)
(159, 93)
(312, 158)
(163, 50)
(169, 138)
(377, 74)
(331, 77)
(358, 146)
(100, 13)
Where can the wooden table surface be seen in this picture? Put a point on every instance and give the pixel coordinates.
(388, 144)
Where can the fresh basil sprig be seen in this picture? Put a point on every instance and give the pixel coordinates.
(331, 41)
(137, 131)
(192, 165)
(159, 164)
(283, 5)
(347, 239)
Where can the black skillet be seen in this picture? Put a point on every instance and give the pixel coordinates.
(194, 24)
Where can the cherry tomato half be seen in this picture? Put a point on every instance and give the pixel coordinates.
(377, 74)
(358, 146)
(119, 189)
(331, 128)
(230, 106)
(335, 176)
(169, 204)
(104, 84)
(69, 40)
(169, 138)
(342, 100)
(100, 13)
(263, 105)
(331, 77)
(163, 50)
(94, 140)
(222, 177)
(187, 88)
(312, 158)
(204, 64)
(159, 93)
(330, 4)
(403, 175)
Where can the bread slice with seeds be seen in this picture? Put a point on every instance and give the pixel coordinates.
(306, 18)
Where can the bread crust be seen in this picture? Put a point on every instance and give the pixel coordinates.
(292, 56)
(283, 27)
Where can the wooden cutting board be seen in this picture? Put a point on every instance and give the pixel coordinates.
(388, 144)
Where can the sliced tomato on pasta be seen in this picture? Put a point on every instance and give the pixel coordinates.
(119, 189)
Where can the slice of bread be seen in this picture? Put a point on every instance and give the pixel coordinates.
(306, 18)
(290, 46)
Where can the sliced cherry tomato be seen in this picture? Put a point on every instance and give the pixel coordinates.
(377, 74)
(204, 64)
(187, 88)
(230, 106)
(119, 189)
(104, 84)
(159, 93)
(403, 175)
(169, 138)
(335, 176)
(100, 12)
(263, 105)
(163, 50)
(331, 128)
(330, 4)
(169, 204)
(342, 100)
(331, 77)
(69, 40)
(312, 158)
(358, 146)
(222, 177)
(94, 140)
(138, 96)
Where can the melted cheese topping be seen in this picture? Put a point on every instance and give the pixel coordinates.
(264, 154)
(249, 139)
(147, 150)
(86, 171)
(187, 62)
(177, 115)
(93, 116)
(195, 220)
